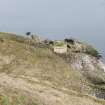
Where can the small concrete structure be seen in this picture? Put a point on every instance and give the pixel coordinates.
(60, 49)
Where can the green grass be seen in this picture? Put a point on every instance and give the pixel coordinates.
(59, 43)
(16, 100)
(3, 100)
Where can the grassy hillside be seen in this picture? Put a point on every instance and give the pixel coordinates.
(31, 74)
(39, 62)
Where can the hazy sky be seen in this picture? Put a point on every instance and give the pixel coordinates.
(83, 19)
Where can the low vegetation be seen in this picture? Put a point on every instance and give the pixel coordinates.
(32, 74)
(93, 52)
(13, 100)
(59, 43)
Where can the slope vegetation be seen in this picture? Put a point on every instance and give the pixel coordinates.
(32, 74)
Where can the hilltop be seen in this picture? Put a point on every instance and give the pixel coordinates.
(31, 73)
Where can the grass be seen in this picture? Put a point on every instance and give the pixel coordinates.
(3, 100)
(38, 62)
(13, 100)
(42, 62)
(59, 43)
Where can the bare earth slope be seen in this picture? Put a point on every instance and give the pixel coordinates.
(32, 74)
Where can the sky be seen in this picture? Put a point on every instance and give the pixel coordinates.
(56, 19)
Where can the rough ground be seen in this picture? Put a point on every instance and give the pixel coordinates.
(32, 74)
(44, 94)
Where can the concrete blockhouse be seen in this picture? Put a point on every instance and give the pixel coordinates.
(60, 47)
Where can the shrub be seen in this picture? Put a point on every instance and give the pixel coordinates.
(71, 41)
(59, 43)
(91, 51)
